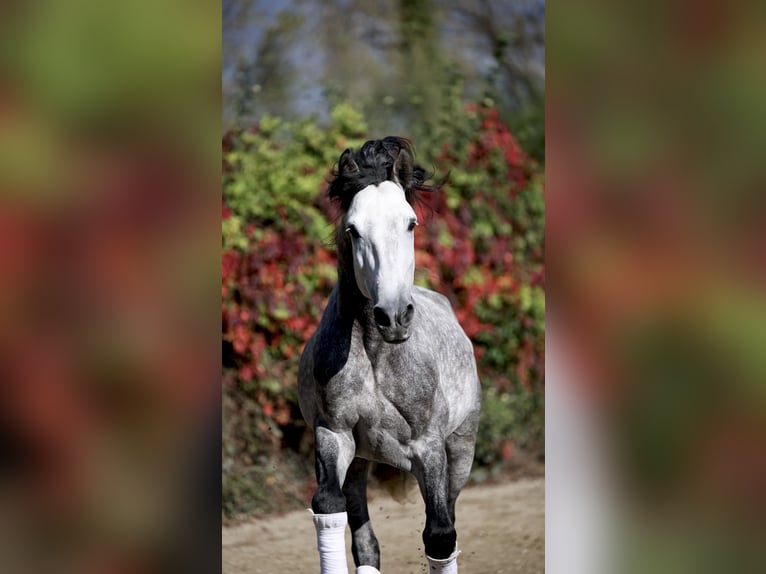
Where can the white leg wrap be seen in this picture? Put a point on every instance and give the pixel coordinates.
(331, 542)
(444, 566)
(367, 570)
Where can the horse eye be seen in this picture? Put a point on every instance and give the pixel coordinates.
(412, 224)
(351, 230)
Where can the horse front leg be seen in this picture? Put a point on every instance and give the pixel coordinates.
(364, 543)
(460, 445)
(333, 454)
(439, 535)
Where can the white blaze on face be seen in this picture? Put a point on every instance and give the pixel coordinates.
(380, 223)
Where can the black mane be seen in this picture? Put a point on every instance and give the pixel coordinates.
(389, 159)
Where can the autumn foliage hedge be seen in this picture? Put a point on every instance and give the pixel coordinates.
(480, 243)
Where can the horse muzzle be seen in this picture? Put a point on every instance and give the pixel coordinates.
(394, 322)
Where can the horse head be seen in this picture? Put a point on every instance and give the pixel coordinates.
(377, 187)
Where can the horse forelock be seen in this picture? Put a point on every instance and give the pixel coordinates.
(374, 163)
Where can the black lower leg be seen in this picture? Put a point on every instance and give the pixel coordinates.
(439, 540)
(364, 544)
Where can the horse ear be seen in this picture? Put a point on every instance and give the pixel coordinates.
(403, 169)
(346, 164)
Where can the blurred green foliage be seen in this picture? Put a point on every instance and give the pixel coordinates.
(481, 244)
(80, 63)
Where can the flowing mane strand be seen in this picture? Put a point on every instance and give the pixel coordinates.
(389, 159)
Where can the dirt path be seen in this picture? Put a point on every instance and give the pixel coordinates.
(500, 530)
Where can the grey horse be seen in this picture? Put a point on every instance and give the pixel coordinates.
(389, 375)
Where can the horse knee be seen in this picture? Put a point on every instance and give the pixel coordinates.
(333, 455)
(328, 502)
(439, 541)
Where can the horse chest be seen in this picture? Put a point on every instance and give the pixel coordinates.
(394, 409)
(365, 390)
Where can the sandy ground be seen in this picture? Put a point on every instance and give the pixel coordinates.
(500, 529)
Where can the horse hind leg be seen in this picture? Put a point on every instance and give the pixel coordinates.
(364, 544)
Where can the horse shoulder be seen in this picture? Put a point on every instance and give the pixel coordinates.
(456, 361)
(432, 296)
(439, 317)
(312, 365)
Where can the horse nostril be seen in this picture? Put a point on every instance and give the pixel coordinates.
(381, 317)
(406, 318)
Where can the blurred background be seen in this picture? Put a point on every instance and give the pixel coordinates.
(111, 122)
(400, 62)
(109, 270)
(304, 80)
(656, 323)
